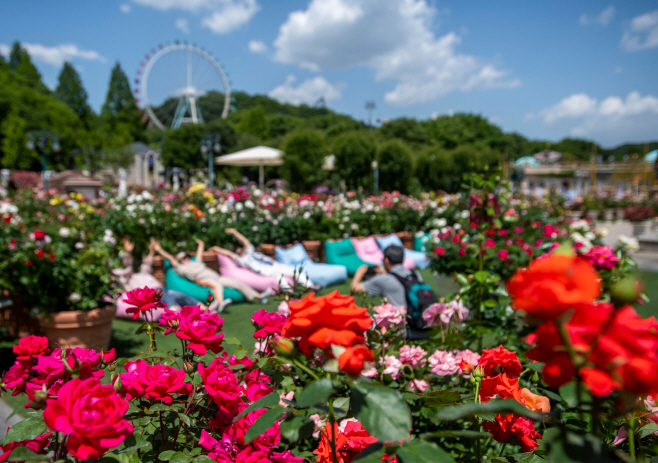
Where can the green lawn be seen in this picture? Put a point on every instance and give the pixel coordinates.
(237, 320)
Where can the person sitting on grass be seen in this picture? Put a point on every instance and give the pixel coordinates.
(245, 255)
(197, 271)
(144, 278)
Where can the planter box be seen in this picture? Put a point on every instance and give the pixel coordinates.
(641, 228)
(407, 239)
(313, 249)
(575, 215)
(267, 249)
(88, 329)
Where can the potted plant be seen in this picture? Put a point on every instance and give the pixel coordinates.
(59, 272)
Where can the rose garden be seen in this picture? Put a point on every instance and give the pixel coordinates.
(534, 351)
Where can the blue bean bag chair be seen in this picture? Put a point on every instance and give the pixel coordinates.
(320, 274)
(421, 241)
(420, 258)
(342, 253)
(198, 292)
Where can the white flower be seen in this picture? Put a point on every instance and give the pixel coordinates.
(64, 232)
(249, 204)
(79, 245)
(307, 215)
(580, 225)
(238, 206)
(212, 210)
(457, 226)
(631, 244)
(75, 297)
(465, 214)
(578, 238)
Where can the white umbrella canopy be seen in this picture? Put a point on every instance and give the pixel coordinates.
(257, 156)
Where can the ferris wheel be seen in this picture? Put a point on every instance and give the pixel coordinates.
(171, 79)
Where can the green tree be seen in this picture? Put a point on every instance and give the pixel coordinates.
(4, 65)
(182, 147)
(303, 156)
(354, 153)
(15, 55)
(29, 72)
(435, 170)
(15, 154)
(463, 129)
(71, 91)
(395, 166)
(253, 121)
(407, 129)
(120, 107)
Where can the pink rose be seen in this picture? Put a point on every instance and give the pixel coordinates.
(31, 346)
(318, 424)
(503, 254)
(270, 323)
(86, 362)
(392, 366)
(17, 376)
(37, 445)
(196, 326)
(453, 308)
(285, 457)
(143, 300)
(418, 385)
(221, 384)
(432, 314)
(91, 414)
(602, 257)
(389, 316)
(413, 355)
(159, 382)
(464, 358)
(443, 363)
(257, 389)
(283, 309)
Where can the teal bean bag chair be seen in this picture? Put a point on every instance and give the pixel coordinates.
(421, 242)
(343, 253)
(198, 292)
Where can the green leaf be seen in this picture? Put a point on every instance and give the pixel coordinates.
(297, 427)
(418, 451)
(28, 429)
(647, 430)
(456, 433)
(166, 455)
(203, 459)
(317, 392)
(568, 447)
(440, 398)
(135, 442)
(537, 366)
(232, 340)
(185, 419)
(263, 423)
(371, 454)
(382, 411)
(180, 457)
(160, 407)
(268, 401)
(341, 406)
(456, 412)
(25, 454)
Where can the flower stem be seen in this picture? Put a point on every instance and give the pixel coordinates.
(631, 435)
(332, 420)
(305, 368)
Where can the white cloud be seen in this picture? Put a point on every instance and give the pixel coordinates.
(602, 19)
(257, 46)
(183, 25)
(220, 16)
(57, 54)
(307, 92)
(392, 37)
(613, 119)
(4, 49)
(618, 69)
(642, 32)
(125, 8)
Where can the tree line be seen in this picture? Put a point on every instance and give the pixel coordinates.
(411, 155)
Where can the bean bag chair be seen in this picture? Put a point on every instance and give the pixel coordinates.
(198, 292)
(420, 258)
(228, 268)
(421, 240)
(342, 253)
(368, 251)
(320, 274)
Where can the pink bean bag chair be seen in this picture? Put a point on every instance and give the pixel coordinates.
(230, 269)
(368, 251)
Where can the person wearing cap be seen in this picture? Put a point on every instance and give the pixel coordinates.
(197, 271)
(384, 283)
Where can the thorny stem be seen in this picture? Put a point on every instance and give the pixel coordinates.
(305, 368)
(162, 431)
(631, 436)
(332, 420)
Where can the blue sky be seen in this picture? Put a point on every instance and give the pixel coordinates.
(547, 69)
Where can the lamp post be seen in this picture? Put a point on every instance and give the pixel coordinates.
(38, 140)
(375, 168)
(210, 145)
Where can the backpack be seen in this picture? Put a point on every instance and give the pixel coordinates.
(419, 297)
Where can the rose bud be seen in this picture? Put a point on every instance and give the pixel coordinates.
(626, 291)
(284, 347)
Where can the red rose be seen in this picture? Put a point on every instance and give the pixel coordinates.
(440, 251)
(257, 389)
(348, 443)
(39, 235)
(86, 362)
(221, 384)
(31, 346)
(500, 360)
(509, 427)
(503, 254)
(37, 445)
(91, 414)
(326, 320)
(159, 382)
(196, 326)
(143, 300)
(270, 323)
(17, 376)
(352, 361)
(40, 253)
(553, 285)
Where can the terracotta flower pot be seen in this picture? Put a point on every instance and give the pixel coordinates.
(407, 239)
(267, 249)
(313, 249)
(211, 261)
(89, 329)
(158, 269)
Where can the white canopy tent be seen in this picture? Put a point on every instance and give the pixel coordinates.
(260, 156)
